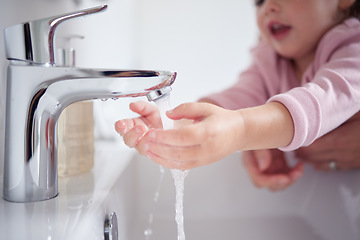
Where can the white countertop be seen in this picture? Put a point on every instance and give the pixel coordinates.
(78, 207)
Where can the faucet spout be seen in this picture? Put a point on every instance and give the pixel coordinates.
(36, 95)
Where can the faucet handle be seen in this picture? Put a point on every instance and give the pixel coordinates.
(34, 41)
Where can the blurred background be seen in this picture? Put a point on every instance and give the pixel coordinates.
(206, 41)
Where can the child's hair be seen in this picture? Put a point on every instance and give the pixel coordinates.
(354, 10)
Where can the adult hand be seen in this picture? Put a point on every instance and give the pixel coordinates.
(269, 169)
(134, 130)
(340, 146)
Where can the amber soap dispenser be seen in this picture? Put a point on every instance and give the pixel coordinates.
(75, 132)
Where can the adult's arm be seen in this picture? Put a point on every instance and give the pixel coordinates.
(341, 145)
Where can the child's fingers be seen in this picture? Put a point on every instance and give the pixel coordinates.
(297, 171)
(134, 135)
(263, 158)
(143, 108)
(253, 170)
(282, 181)
(274, 182)
(122, 126)
(193, 110)
(170, 164)
(278, 182)
(149, 113)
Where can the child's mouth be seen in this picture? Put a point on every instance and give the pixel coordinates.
(279, 30)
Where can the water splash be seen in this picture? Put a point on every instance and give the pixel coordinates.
(148, 232)
(163, 104)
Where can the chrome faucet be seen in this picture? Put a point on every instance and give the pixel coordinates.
(37, 92)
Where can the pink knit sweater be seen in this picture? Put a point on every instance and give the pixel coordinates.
(328, 94)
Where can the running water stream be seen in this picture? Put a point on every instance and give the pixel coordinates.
(148, 232)
(163, 104)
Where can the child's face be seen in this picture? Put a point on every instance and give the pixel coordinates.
(294, 27)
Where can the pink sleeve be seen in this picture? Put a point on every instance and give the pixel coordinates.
(248, 91)
(322, 105)
(255, 85)
(332, 92)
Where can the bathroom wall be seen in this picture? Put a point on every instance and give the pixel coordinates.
(206, 42)
(107, 43)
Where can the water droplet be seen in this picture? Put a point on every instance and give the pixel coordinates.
(58, 105)
(148, 232)
(162, 169)
(156, 197)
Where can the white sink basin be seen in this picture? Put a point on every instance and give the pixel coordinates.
(220, 203)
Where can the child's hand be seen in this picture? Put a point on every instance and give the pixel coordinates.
(213, 134)
(134, 130)
(269, 169)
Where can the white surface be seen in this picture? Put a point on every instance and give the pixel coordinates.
(79, 211)
(220, 202)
